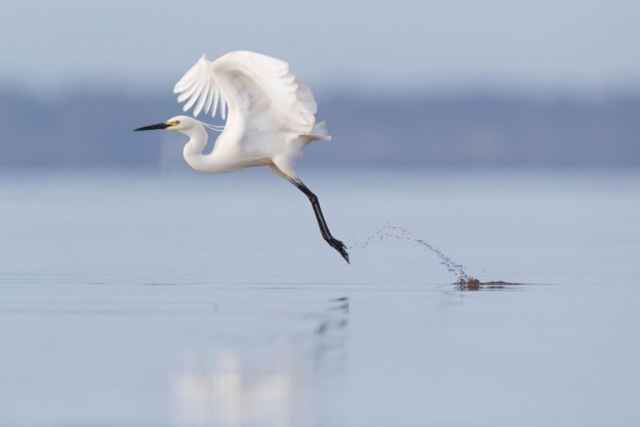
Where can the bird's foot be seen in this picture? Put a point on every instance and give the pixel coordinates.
(340, 247)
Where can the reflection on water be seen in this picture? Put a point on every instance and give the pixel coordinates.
(280, 384)
(225, 390)
(166, 301)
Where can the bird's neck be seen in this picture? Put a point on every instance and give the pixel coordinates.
(193, 152)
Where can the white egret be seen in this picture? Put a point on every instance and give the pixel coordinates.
(271, 117)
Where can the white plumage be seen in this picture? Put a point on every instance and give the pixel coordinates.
(271, 113)
(271, 117)
(253, 84)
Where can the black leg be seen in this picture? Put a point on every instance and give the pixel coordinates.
(322, 223)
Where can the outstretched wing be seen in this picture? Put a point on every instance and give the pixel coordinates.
(258, 88)
(198, 89)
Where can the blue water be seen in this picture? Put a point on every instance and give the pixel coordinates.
(195, 300)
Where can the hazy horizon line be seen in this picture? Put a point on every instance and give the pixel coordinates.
(428, 87)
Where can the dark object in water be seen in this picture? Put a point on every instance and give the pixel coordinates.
(464, 281)
(469, 283)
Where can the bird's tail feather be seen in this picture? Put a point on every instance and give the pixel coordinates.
(320, 131)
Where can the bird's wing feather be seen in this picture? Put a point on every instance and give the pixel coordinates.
(260, 88)
(198, 87)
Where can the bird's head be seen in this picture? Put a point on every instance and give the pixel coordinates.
(177, 123)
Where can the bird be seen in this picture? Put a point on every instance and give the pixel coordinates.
(269, 117)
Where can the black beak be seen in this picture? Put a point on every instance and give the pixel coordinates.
(153, 127)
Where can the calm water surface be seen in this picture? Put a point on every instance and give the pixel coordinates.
(212, 301)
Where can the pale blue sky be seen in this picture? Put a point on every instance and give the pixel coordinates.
(572, 43)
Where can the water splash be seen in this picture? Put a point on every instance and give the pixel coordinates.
(390, 231)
